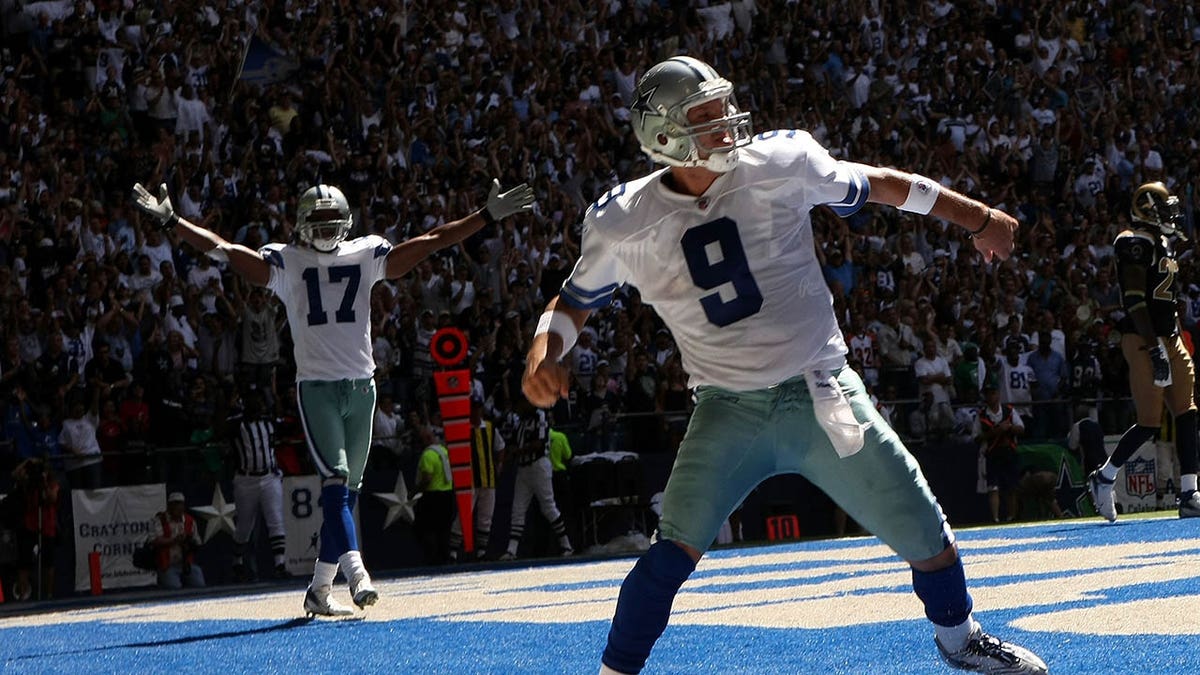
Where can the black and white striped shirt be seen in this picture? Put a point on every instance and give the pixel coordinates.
(254, 440)
(533, 437)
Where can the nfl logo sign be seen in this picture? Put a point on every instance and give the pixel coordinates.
(1139, 477)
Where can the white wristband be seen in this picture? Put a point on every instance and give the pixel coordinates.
(922, 195)
(561, 324)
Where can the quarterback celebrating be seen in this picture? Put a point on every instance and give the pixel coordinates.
(720, 242)
(324, 281)
(1159, 365)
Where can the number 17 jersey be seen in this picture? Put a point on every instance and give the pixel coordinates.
(732, 272)
(328, 302)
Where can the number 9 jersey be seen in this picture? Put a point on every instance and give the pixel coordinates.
(732, 272)
(1152, 253)
(328, 302)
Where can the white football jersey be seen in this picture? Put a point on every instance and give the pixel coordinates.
(733, 272)
(1016, 385)
(328, 301)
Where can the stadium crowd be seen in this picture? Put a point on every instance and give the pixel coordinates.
(113, 334)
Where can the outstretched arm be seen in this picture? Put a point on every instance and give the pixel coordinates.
(246, 262)
(991, 229)
(405, 256)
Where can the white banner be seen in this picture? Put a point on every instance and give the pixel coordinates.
(113, 522)
(302, 521)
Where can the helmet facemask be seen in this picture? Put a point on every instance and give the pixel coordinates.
(323, 218)
(660, 116)
(1154, 205)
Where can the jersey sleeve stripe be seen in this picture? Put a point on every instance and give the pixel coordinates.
(382, 250)
(273, 257)
(578, 302)
(586, 295)
(856, 193)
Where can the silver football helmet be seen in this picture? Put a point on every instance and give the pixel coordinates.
(665, 94)
(323, 233)
(1154, 205)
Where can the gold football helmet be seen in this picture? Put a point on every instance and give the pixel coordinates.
(1154, 205)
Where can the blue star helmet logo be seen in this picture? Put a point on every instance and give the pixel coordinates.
(642, 105)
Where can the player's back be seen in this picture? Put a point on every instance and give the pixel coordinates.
(328, 301)
(1151, 254)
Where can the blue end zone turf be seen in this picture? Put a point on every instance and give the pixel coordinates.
(1087, 596)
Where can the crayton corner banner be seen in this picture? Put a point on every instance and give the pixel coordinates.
(113, 522)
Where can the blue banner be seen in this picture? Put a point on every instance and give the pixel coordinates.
(265, 64)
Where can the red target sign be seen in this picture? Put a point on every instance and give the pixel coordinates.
(448, 347)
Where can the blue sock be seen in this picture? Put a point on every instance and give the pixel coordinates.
(644, 605)
(337, 532)
(944, 592)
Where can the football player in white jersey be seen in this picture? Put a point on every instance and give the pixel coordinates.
(721, 243)
(324, 281)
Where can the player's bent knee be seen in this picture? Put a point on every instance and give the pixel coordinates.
(663, 568)
(946, 558)
(693, 553)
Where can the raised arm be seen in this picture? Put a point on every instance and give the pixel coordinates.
(405, 256)
(246, 262)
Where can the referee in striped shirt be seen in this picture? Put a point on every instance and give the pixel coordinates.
(258, 484)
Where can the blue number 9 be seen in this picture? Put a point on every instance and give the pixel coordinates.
(732, 268)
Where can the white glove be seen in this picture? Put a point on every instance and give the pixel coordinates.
(501, 205)
(159, 208)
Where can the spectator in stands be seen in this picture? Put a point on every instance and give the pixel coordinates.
(260, 322)
(106, 378)
(997, 430)
(30, 510)
(1051, 383)
(969, 374)
(934, 379)
(80, 444)
(56, 375)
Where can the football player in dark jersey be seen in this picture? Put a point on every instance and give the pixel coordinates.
(1159, 366)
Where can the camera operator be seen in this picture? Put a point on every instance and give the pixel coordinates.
(31, 511)
(177, 546)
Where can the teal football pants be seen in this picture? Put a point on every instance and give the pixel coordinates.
(735, 440)
(337, 417)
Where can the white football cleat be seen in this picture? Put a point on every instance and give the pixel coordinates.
(1189, 505)
(363, 593)
(1102, 496)
(319, 602)
(984, 653)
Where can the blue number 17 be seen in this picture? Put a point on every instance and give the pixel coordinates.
(351, 275)
(732, 268)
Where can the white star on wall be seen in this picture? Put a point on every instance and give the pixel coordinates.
(218, 516)
(398, 504)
